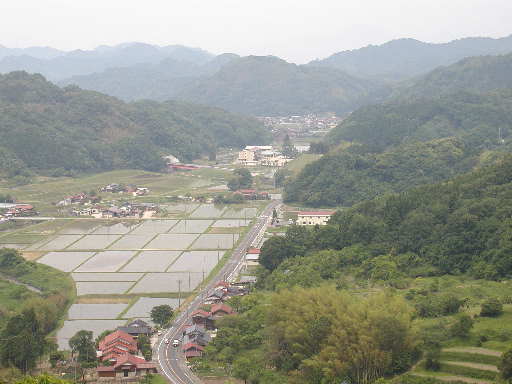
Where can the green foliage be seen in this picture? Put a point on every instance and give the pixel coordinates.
(241, 179)
(22, 341)
(289, 149)
(462, 326)
(162, 315)
(83, 344)
(267, 85)
(467, 371)
(144, 345)
(315, 335)
(41, 379)
(491, 308)
(399, 145)
(505, 365)
(232, 198)
(461, 226)
(47, 128)
(475, 74)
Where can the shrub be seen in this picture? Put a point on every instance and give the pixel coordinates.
(491, 308)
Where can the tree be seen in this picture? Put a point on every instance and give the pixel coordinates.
(162, 314)
(491, 308)
(240, 179)
(505, 365)
(274, 251)
(144, 346)
(289, 149)
(83, 344)
(22, 341)
(462, 326)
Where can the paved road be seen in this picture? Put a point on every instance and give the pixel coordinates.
(171, 361)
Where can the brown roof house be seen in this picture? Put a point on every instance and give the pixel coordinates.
(127, 365)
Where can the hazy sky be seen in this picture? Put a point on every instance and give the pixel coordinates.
(297, 30)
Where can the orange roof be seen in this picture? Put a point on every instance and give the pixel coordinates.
(115, 336)
(133, 360)
(201, 313)
(188, 346)
(221, 307)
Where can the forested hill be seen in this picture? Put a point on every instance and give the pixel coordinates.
(46, 127)
(405, 58)
(396, 146)
(267, 85)
(461, 225)
(475, 74)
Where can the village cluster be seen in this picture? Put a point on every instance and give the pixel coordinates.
(302, 126)
(119, 352)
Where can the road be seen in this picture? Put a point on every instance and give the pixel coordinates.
(171, 360)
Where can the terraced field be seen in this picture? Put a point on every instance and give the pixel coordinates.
(123, 268)
(465, 364)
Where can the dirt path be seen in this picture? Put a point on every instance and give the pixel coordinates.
(14, 281)
(454, 378)
(481, 351)
(483, 367)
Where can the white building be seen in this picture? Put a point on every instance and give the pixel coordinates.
(314, 217)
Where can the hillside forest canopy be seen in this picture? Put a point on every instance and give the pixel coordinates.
(44, 127)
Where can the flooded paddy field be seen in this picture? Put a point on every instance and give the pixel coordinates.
(144, 305)
(65, 261)
(113, 262)
(151, 261)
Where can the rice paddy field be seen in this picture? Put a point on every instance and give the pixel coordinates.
(122, 269)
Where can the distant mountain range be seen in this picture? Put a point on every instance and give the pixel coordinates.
(405, 58)
(264, 85)
(58, 65)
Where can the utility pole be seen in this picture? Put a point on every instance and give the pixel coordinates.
(179, 293)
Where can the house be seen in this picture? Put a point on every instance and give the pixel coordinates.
(202, 318)
(252, 257)
(314, 217)
(116, 344)
(127, 365)
(196, 334)
(192, 350)
(216, 296)
(137, 328)
(220, 310)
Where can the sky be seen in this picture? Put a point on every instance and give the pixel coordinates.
(296, 30)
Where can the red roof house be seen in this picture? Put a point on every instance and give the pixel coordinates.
(127, 365)
(221, 309)
(117, 344)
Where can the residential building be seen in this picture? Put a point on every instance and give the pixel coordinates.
(203, 318)
(220, 310)
(127, 365)
(314, 217)
(252, 257)
(137, 328)
(192, 350)
(115, 345)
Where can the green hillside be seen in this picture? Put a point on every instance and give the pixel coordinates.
(474, 74)
(400, 145)
(45, 127)
(461, 225)
(267, 85)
